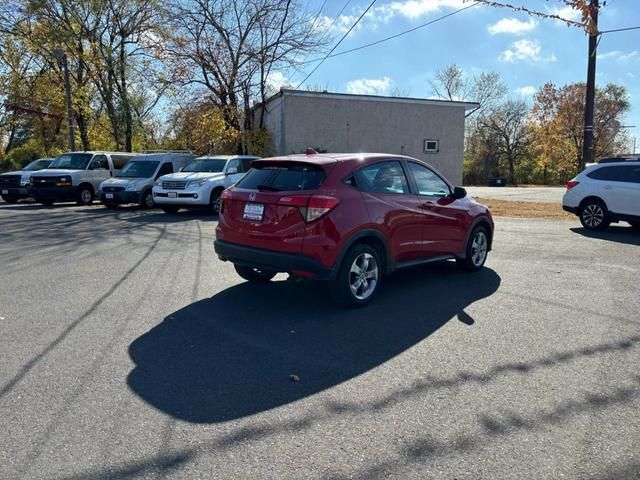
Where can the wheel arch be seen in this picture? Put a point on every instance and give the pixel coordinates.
(371, 237)
(584, 201)
(87, 184)
(480, 221)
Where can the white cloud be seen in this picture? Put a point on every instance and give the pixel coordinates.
(417, 8)
(512, 25)
(369, 86)
(276, 80)
(618, 55)
(527, 91)
(566, 13)
(341, 24)
(525, 50)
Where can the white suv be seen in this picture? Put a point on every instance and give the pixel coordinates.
(606, 192)
(200, 183)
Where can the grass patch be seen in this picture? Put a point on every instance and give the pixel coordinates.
(509, 208)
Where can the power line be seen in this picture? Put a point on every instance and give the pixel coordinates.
(620, 30)
(337, 44)
(405, 32)
(339, 13)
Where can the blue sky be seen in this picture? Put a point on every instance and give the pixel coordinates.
(527, 52)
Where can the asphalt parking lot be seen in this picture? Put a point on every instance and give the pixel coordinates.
(523, 194)
(129, 351)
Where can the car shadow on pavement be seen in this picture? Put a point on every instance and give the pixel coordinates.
(251, 348)
(618, 234)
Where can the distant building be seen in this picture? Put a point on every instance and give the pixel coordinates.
(430, 130)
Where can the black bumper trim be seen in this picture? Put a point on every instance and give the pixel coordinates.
(17, 192)
(121, 198)
(277, 261)
(573, 210)
(53, 193)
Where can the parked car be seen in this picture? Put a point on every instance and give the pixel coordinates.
(200, 183)
(349, 219)
(606, 192)
(76, 176)
(133, 184)
(13, 185)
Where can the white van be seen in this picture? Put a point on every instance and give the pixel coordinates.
(76, 176)
(134, 182)
(201, 182)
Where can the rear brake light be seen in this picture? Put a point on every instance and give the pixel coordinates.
(225, 197)
(571, 184)
(311, 208)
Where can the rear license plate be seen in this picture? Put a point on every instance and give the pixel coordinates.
(253, 211)
(108, 195)
(5, 192)
(172, 195)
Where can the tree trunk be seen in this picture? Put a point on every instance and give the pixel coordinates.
(82, 128)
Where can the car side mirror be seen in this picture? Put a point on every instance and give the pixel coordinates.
(459, 192)
(232, 171)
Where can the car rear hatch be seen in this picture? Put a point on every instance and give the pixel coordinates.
(270, 206)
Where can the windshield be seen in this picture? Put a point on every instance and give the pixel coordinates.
(139, 169)
(205, 165)
(71, 161)
(36, 165)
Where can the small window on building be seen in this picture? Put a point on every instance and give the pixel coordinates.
(431, 146)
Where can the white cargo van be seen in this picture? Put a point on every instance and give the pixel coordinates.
(134, 182)
(76, 176)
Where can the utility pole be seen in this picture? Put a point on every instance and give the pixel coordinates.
(587, 143)
(60, 55)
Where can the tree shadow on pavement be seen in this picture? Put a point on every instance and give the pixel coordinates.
(618, 234)
(232, 355)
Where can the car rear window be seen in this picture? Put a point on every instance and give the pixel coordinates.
(285, 177)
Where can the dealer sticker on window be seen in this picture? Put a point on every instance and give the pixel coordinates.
(253, 211)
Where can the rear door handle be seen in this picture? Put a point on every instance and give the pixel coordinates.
(428, 205)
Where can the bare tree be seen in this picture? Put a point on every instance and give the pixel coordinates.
(487, 88)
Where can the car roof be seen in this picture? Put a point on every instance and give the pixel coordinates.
(328, 158)
(228, 157)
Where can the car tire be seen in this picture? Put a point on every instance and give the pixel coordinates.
(214, 201)
(254, 274)
(147, 200)
(84, 196)
(594, 215)
(477, 250)
(170, 209)
(359, 277)
(9, 199)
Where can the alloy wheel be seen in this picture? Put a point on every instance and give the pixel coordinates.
(363, 276)
(593, 215)
(479, 248)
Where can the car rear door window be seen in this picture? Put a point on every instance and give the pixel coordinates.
(633, 174)
(283, 177)
(383, 177)
(428, 182)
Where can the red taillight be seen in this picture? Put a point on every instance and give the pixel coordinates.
(226, 196)
(571, 184)
(311, 208)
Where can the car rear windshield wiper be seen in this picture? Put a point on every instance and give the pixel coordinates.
(268, 188)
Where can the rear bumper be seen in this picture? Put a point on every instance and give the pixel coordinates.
(14, 192)
(121, 198)
(53, 193)
(267, 259)
(573, 210)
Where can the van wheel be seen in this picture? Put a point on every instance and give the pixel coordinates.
(170, 209)
(254, 274)
(10, 199)
(477, 250)
(594, 215)
(147, 200)
(85, 195)
(359, 277)
(214, 201)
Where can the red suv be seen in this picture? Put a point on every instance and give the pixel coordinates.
(349, 219)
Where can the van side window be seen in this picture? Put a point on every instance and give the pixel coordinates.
(246, 164)
(165, 169)
(99, 162)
